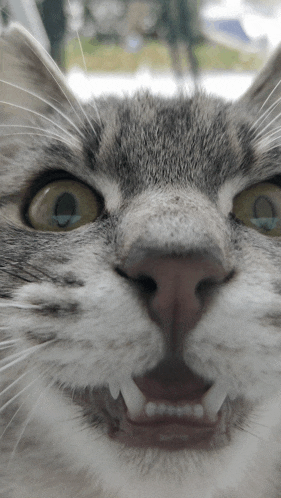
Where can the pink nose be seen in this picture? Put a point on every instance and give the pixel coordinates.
(180, 291)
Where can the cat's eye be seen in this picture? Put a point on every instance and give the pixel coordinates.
(259, 207)
(63, 205)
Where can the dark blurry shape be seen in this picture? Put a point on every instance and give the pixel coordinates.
(54, 20)
(104, 20)
(181, 29)
(175, 21)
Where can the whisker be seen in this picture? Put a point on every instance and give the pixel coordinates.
(86, 70)
(268, 134)
(16, 355)
(8, 403)
(19, 306)
(265, 115)
(270, 142)
(273, 148)
(30, 415)
(36, 128)
(14, 383)
(3, 348)
(11, 420)
(46, 135)
(8, 342)
(64, 93)
(42, 116)
(47, 102)
(21, 356)
(271, 93)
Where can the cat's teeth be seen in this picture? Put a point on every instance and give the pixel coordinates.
(114, 389)
(155, 409)
(214, 398)
(133, 397)
(137, 403)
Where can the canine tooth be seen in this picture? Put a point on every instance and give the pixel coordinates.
(215, 397)
(114, 389)
(133, 397)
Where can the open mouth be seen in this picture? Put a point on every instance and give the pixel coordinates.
(169, 408)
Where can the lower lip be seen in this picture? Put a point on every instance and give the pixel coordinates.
(167, 434)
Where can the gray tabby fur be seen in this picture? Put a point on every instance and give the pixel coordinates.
(168, 170)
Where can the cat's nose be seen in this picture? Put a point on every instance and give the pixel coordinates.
(178, 290)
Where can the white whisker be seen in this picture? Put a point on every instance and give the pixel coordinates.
(46, 135)
(47, 102)
(8, 342)
(29, 418)
(265, 116)
(10, 386)
(62, 90)
(20, 356)
(269, 141)
(268, 134)
(3, 348)
(24, 351)
(42, 115)
(19, 305)
(271, 93)
(8, 403)
(273, 147)
(37, 128)
(86, 70)
(11, 420)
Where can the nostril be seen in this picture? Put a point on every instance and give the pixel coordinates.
(145, 283)
(205, 287)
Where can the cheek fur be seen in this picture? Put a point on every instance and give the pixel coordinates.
(98, 331)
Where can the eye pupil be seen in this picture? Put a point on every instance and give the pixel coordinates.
(65, 210)
(264, 214)
(263, 208)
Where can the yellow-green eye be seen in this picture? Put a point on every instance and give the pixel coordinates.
(63, 205)
(259, 207)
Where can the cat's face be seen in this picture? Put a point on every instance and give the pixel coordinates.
(141, 317)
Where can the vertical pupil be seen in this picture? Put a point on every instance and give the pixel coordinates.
(65, 209)
(263, 208)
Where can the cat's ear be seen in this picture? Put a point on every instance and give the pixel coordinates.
(266, 88)
(29, 78)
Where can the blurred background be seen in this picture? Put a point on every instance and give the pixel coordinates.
(169, 46)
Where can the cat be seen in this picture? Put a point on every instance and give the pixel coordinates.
(140, 289)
